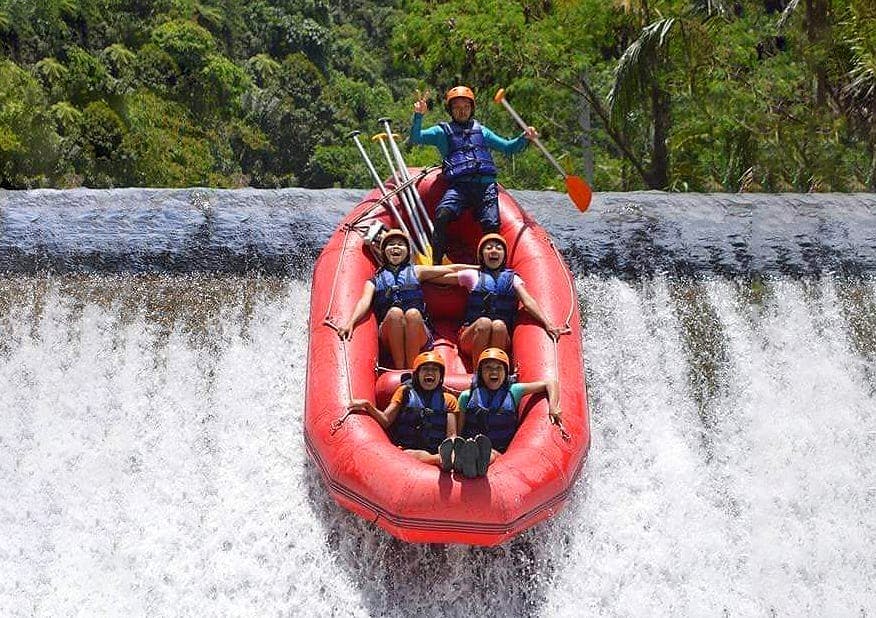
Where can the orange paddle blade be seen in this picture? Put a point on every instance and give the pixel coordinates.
(579, 192)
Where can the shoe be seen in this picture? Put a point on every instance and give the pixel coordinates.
(445, 452)
(469, 457)
(458, 443)
(485, 450)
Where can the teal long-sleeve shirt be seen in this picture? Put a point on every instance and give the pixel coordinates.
(434, 136)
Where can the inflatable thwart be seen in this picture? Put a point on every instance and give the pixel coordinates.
(363, 470)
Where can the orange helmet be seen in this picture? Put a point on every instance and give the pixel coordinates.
(394, 233)
(457, 92)
(488, 237)
(428, 357)
(497, 354)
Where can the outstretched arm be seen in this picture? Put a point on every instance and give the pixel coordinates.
(530, 304)
(359, 311)
(436, 274)
(509, 146)
(553, 394)
(384, 417)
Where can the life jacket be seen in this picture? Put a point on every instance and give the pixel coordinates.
(467, 152)
(421, 423)
(493, 297)
(492, 413)
(397, 289)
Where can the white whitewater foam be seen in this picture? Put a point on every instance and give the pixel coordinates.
(151, 460)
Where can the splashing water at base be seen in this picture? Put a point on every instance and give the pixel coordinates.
(151, 459)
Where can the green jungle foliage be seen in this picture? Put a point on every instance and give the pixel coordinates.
(682, 95)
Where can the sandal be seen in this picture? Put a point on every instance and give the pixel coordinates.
(485, 451)
(445, 452)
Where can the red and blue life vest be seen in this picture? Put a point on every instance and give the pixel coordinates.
(422, 421)
(467, 154)
(397, 288)
(494, 297)
(492, 413)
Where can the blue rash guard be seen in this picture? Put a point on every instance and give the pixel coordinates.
(435, 136)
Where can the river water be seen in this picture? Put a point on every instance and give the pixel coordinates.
(152, 367)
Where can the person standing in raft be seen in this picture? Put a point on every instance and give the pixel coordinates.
(421, 417)
(491, 308)
(398, 301)
(488, 411)
(467, 164)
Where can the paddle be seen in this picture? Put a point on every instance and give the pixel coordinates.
(579, 191)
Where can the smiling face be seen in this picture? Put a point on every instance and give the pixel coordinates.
(493, 373)
(395, 250)
(429, 376)
(493, 254)
(461, 109)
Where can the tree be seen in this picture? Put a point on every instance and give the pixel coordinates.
(28, 142)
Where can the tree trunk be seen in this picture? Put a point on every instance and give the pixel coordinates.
(657, 176)
(872, 180)
(816, 24)
(586, 137)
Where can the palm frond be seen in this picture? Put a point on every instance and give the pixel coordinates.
(786, 14)
(635, 69)
(861, 37)
(711, 8)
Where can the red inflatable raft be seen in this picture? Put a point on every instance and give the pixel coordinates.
(364, 471)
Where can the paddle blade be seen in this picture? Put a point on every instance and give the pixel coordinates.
(425, 259)
(579, 192)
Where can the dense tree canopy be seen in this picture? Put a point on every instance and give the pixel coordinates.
(699, 95)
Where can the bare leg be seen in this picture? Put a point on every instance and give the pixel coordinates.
(475, 338)
(424, 456)
(392, 336)
(415, 335)
(499, 337)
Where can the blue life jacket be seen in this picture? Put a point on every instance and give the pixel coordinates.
(493, 297)
(492, 413)
(467, 153)
(420, 424)
(397, 289)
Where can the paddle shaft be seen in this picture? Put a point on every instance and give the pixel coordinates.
(405, 175)
(535, 140)
(420, 236)
(381, 186)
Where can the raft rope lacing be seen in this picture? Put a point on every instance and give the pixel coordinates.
(567, 327)
(329, 321)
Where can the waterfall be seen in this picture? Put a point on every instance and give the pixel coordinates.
(152, 367)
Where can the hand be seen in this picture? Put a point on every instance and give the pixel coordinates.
(420, 105)
(345, 332)
(530, 133)
(556, 332)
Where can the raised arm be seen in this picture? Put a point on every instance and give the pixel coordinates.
(363, 305)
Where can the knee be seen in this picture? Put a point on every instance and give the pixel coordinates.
(443, 217)
(499, 328)
(483, 326)
(413, 317)
(394, 316)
